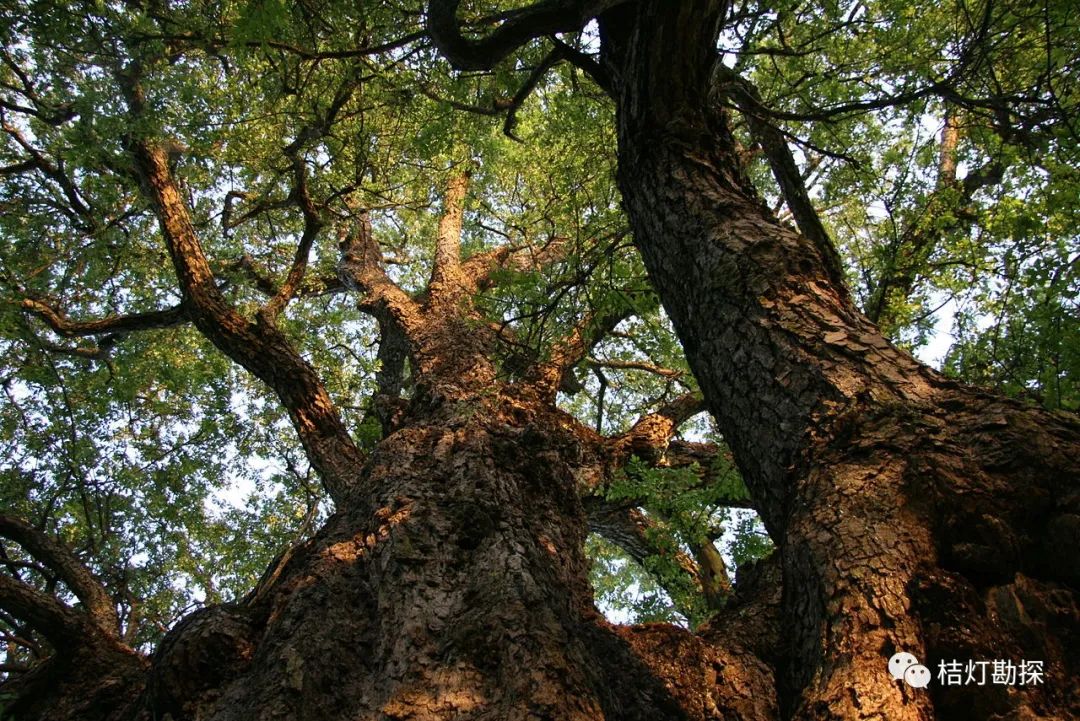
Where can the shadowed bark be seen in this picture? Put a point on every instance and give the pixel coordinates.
(451, 581)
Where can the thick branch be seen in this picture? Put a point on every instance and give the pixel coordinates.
(301, 193)
(546, 17)
(64, 627)
(651, 440)
(550, 60)
(783, 167)
(94, 352)
(479, 269)
(447, 282)
(650, 436)
(511, 106)
(712, 573)
(68, 567)
(259, 346)
(361, 269)
(111, 324)
(947, 210)
(635, 365)
(574, 347)
(309, 287)
(50, 169)
(587, 64)
(313, 223)
(390, 377)
(633, 531)
(43, 110)
(950, 140)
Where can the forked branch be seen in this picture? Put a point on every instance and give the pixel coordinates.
(361, 269)
(259, 346)
(547, 376)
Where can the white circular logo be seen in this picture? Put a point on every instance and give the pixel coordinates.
(899, 663)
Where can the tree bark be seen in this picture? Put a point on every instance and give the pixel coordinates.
(911, 513)
(450, 583)
(904, 505)
(456, 589)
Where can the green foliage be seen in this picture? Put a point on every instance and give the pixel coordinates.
(865, 89)
(173, 474)
(176, 477)
(628, 592)
(688, 508)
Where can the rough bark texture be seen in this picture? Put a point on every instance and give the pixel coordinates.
(455, 586)
(257, 345)
(906, 507)
(450, 583)
(456, 589)
(912, 514)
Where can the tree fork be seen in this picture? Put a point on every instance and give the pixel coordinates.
(462, 594)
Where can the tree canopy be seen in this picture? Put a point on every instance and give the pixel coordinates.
(934, 146)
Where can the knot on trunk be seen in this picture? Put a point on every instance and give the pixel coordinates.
(197, 657)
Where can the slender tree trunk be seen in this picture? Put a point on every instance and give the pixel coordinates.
(906, 507)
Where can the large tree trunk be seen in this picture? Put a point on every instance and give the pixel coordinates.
(451, 581)
(912, 514)
(454, 587)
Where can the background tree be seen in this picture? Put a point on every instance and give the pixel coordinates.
(289, 244)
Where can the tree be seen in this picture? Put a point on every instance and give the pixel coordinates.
(450, 578)
(842, 439)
